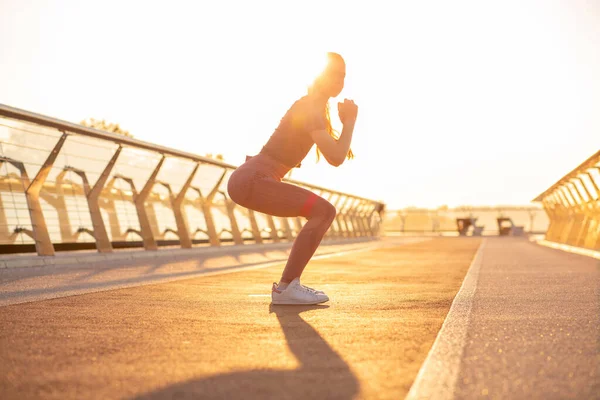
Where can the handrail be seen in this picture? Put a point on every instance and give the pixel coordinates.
(581, 168)
(573, 206)
(23, 115)
(16, 113)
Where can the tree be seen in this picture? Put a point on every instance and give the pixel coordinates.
(105, 126)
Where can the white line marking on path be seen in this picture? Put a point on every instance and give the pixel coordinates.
(438, 374)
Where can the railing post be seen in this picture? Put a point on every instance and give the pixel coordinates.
(206, 205)
(349, 216)
(337, 230)
(587, 213)
(594, 185)
(273, 228)
(103, 244)
(594, 182)
(356, 215)
(593, 239)
(235, 229)
(578, 217)
(11, 235)
(568, 220)
(561, 215)
(364, 223)
(550, 213)
(58, 202)
(550, 206)
(368, 211)
(4, 232)
(355, 218)
(378, 211)
(108, 204)
(565, 207)
(254, 227)
(139, 200)
(43, 244)
(152, 219)
(342, 217)
(595, 242)
(362, 219)
(183, 230)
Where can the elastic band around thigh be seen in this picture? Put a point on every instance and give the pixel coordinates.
(308, 205)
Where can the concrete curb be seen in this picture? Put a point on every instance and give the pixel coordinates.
(438, 374)
(26, 261)
(569, 249)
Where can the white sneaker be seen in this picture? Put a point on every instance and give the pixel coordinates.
(296, 293)
(314, 290)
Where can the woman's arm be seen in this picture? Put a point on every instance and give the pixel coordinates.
(334, 151)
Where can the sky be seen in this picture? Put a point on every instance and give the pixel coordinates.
(463, 102)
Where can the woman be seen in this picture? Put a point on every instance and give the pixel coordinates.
(257, 184)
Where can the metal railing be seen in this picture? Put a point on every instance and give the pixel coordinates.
(66, 186)
(573, 206)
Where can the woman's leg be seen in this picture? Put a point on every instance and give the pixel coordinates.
(320, 217)
(284, 200)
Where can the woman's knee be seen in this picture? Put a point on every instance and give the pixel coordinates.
(324, 209)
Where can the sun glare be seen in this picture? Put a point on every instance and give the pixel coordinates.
(316, 66)
(307, 67)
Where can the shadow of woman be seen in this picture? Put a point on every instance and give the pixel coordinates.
(322, 372)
